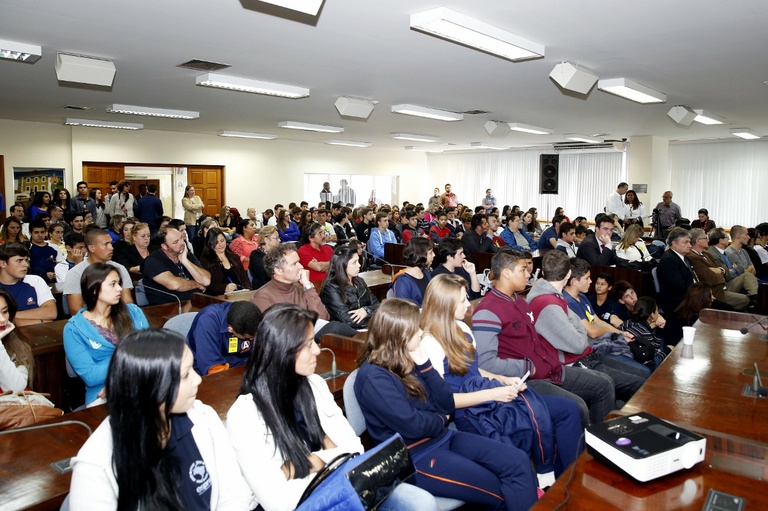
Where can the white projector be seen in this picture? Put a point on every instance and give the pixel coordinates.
(644, 447)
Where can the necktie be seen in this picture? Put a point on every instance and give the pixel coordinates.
(727, 262)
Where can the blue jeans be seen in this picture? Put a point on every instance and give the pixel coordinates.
(408, 497)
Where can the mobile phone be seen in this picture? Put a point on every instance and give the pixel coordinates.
(522, 380)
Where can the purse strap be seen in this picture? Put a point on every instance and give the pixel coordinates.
(324, 473)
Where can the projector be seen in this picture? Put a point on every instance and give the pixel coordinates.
(644, 447)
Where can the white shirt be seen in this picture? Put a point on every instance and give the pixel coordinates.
(615, 204)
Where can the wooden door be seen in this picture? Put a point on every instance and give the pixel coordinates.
(2, 191)
(209, 185)
(99, 175)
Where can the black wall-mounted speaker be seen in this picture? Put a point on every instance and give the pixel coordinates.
(549, 172)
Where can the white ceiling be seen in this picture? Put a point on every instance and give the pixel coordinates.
(704, 54)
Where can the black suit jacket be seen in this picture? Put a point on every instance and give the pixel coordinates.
(589, 250)
(675, 277)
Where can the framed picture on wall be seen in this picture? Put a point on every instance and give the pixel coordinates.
(29, 180)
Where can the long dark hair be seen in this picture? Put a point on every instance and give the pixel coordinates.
(209, 250)
(278, 392)
(337, 269)
(55, 199)
(142, 385)
(99, 202)
(697, 297)
(416, 251)
(39, 197)
(635, 202)
(17, 349)
(90, 286)
(308, 231)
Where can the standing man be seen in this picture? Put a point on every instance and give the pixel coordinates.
(150, 208)
(448, 198)
(326, 195)
(173, 270)
(614, 204)
(99, 245)
(346, 194)
(434, 200)
(82, 202)
(668, 213)
(112, 194)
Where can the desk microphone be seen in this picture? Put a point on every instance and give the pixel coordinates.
(161, 292)
(757, 384)
(760, 321)
(333, 362)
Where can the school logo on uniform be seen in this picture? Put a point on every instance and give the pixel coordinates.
(31, 301)
(245, 346)
(198, 473)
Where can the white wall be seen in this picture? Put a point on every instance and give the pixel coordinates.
(258, 174)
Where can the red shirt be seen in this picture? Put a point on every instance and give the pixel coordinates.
(307, 253)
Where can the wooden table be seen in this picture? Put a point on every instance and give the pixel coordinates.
(27, 480)
(704, 395)
(378, 282)
(200, 300)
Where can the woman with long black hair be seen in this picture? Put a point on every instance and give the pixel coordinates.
(344, 294)
(159, 449)
(227, 273)
(286, 426)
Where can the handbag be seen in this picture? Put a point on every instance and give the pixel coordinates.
(25, 408)
(359, 482)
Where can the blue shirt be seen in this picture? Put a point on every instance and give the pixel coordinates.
(377, 240)
(43, 260)
(195, 485)
(211, 342)
(581, 307)
(548, 234)
(24, 294)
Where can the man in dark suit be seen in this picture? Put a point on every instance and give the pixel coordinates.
(707, 270)
(675, 273)
(475, 239)
(597, 248)
(149, 207)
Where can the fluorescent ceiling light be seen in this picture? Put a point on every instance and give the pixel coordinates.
(247, 134)
(583, 138)
(152, 112)
(348, 143)
(304, 126)
(424, 149)
(630, 90)
(20, 52)
(236, 83)
(526, 128)
(682, 115)
(745, 133)
(462, 29)
(483, 145)
(311, 7)
(414, 137)
(704, 117)
(104, 124)
(429, 113)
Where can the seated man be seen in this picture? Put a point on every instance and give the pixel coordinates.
(290, 284)
(33, 296)
(172, 270)
(566, 242)
(440, 230)
(221, 336)
(75, 244)
(450, 258)
(508, 343)
(516, 237)
(707, 270)
(494, 229)
(674, 272)
(42, 256)
(411, 227)
(379, 236)
(99, 245)
(550, 235)
(475, 240)
(597, 248)
(738, 277)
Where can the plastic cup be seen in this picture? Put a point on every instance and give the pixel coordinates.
(688, 333)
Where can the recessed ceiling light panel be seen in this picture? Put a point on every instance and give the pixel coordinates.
(20, 52)
(426, 112)
(152, 112)
(305, 126)
(236, 83)
(459, 28)
(90, 123)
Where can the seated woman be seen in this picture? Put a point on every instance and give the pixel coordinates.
(698, 297)
(159, 448)
(287, 228)
(399, 391)
(115, 227)
(649, 347)
(268, 238)
(227, 274)
(529, 224)
(10, 232)
(134, 255)
(226, 221)
(604, 306)
(548, 428)
(286, 425)
(198, 243)
(314, 254)
(516, 237)
(16, 360)
(411, 283)
(91, 335)
(632, 247)
(344, 294)
(246, 243)
(39, 205)
(126, 230)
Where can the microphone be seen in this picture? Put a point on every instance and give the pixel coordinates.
(161, 292)
(757, 384)
(333, 373)
(745, 330)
